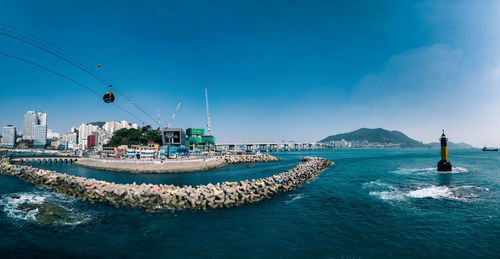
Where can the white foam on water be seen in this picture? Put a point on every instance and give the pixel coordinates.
(435, 192)
(377, 184)
(455, 170)
(383, 191)
(389, 192)
(448, 192)
(295, 197)
(429, 170)
(414, 170)
(9, 204)
(389, 195)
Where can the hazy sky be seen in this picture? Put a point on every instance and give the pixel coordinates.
(275, 70)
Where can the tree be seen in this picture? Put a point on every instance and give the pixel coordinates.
(135, 136)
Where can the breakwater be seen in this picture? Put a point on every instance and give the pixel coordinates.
(239, 159)
(158, 197)
(172, 166)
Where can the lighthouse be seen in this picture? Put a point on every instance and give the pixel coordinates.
(444, 164)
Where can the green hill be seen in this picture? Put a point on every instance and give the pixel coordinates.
(377, 136)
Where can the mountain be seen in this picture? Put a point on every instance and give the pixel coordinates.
(451, 145)
(377, 136)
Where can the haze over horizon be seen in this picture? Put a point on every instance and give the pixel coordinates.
(277, 70)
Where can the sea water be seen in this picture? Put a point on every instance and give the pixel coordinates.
(372, 203)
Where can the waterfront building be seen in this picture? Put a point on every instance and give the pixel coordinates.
(175, 137)
(40, 136)
(30, 121)
(196, 139)
(9, 136)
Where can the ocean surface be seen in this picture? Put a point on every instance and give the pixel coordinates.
(372, 203)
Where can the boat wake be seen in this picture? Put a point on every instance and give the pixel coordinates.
(42, 207)
(430, 170)
(391, 193)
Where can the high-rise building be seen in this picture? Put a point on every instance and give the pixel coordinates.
(9, 136)
(40, 138)
(42, 118)
(90, 141)
(83, 131)
(30, 121)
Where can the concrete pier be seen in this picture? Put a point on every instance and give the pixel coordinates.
(172, 166)
(151, 197)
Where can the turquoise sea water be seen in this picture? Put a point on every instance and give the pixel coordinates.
(372, 203)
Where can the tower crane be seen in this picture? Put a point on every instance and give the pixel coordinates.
(208, 114)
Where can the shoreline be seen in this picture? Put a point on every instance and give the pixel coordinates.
(171, 166)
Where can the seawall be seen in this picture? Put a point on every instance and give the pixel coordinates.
(172, 166)
(159, 197)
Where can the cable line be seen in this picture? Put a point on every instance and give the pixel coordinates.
(71, 59)
(65, 77)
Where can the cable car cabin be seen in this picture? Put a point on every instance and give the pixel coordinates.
(108, 97)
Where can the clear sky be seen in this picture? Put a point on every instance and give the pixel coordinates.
(275, 70)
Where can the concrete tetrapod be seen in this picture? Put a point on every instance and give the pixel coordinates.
(159, 197)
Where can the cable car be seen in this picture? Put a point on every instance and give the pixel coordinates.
(109, 97)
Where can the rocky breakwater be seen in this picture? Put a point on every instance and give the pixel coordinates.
(158, 197)
(241, 159)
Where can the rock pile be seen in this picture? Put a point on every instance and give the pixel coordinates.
(157, 197)
(240, 159)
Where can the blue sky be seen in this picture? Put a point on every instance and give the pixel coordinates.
(275, 70)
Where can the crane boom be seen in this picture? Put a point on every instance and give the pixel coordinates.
(208, 114)
(173, 115)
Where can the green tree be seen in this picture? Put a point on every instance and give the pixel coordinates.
(135, 136)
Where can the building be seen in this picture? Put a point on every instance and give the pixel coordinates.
(90, 141)
(83, 132)
(42, 118)
(116, 152)
(196, 139)
(69, 140)
(9, 136)
(111, 126)
(194, 136)
(40, 136)
(30, 121)
(175, 137)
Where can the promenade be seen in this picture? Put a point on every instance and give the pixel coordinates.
(171, 166)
